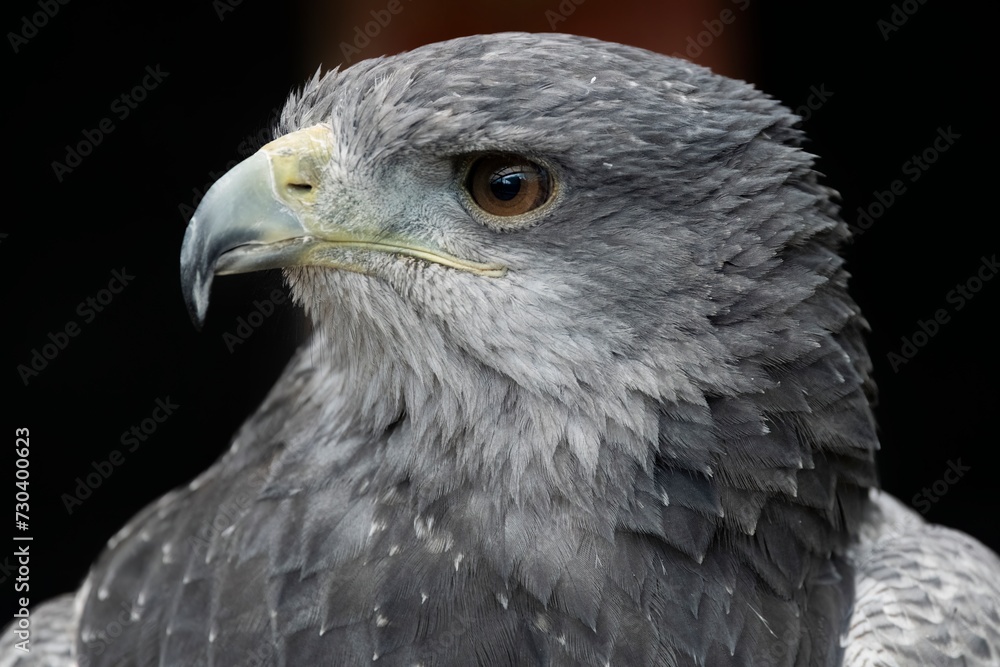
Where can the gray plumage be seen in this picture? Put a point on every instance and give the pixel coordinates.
(646, 440)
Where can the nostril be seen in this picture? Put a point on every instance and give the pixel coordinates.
(300, 187)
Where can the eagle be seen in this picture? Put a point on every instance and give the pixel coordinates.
(585, 386)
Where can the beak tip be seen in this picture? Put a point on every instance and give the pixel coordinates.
(194, 285)
(197, 319)
(196, 292)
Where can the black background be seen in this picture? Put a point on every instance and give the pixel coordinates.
(122, 207)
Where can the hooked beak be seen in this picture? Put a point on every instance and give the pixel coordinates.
(262, 214)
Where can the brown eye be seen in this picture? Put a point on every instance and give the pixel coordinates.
(506, 185)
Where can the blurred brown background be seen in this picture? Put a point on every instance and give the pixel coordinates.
(343, 33)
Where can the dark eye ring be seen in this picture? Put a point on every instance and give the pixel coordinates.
(506, 185)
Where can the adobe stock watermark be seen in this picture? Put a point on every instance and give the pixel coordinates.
(248, 145)
(817, 98)
(131, 440)
(121, 108)
(913, 169)
(261, 655)
(714, 28)
(7, 569)
(32, 23)
(461, 625)
(924, 498)
(98, 641)
(246, 326)
(87, 309)
(781, 651)
(227, 514)
(898, 17)
(223, 7)
(562, 12)
(363, 35)
(224, 519)
(958, 297)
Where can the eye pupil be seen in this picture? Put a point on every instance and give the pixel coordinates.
(507, 185)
